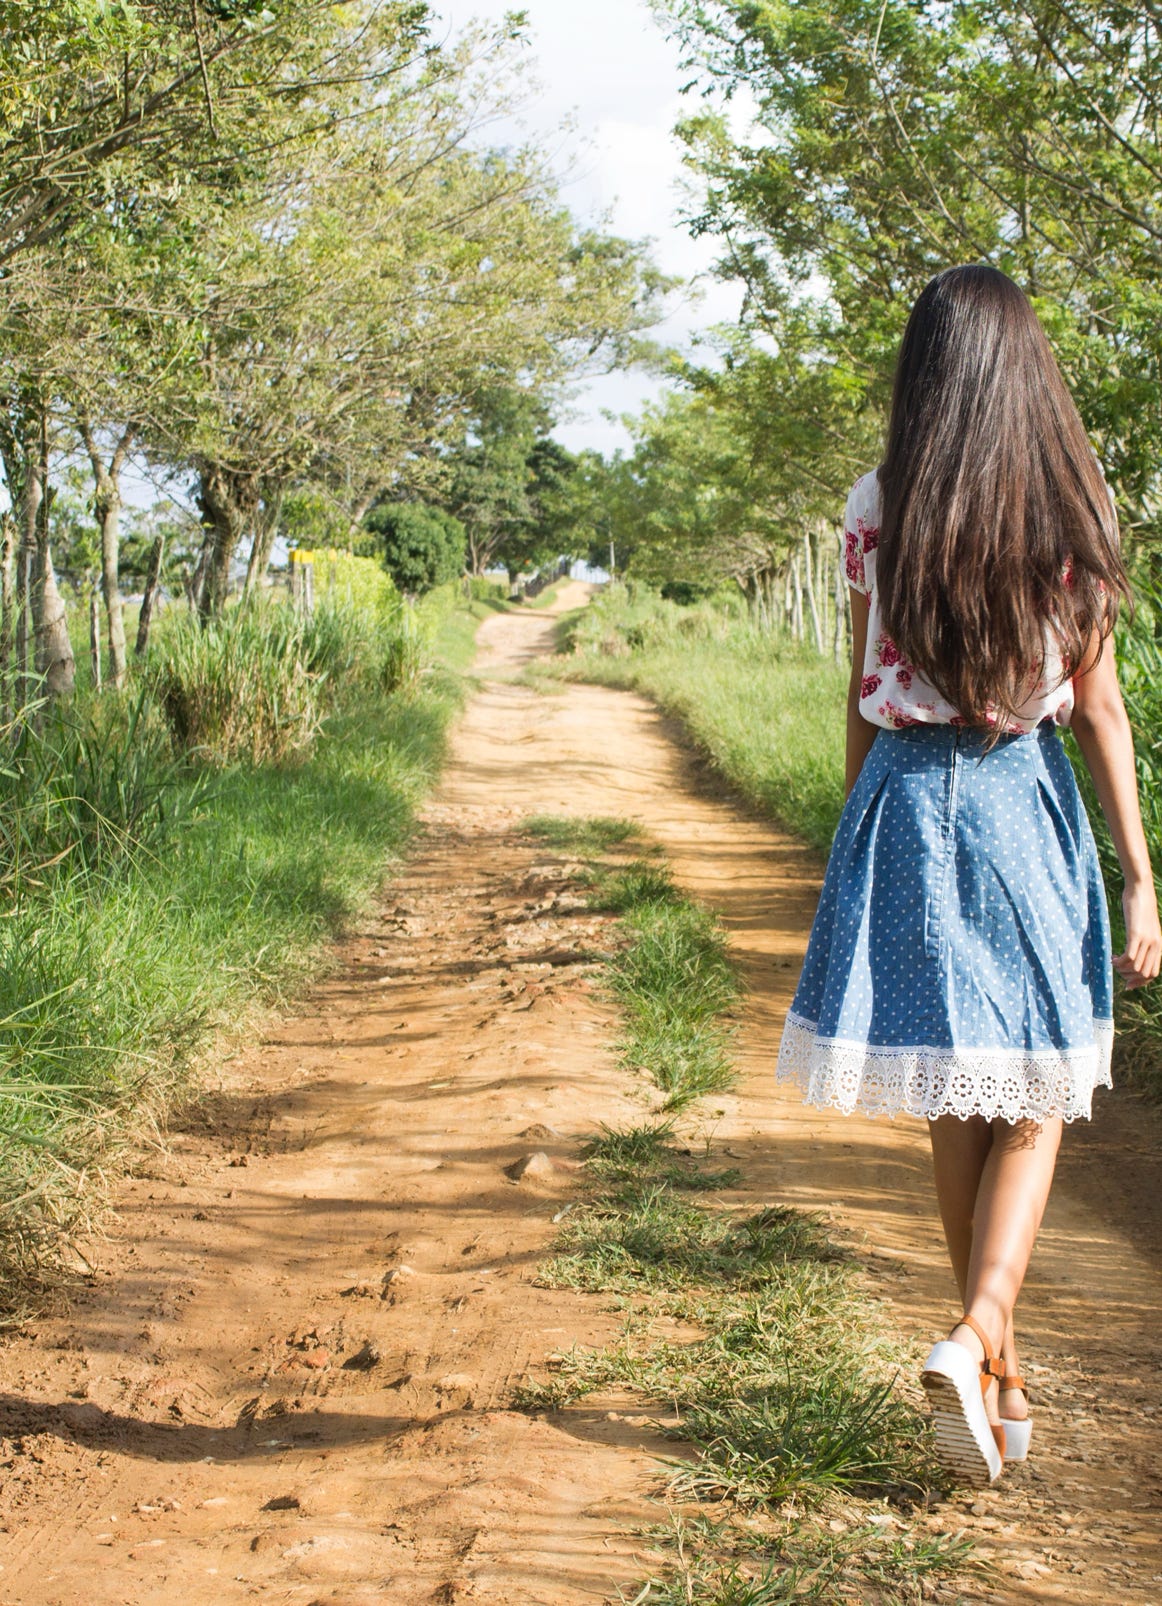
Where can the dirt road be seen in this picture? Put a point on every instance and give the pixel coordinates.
(289, 1376)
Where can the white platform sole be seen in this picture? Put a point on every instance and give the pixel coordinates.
(965, 1446)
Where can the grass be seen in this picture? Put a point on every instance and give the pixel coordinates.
(180, 904)
(674, 983)
(580, 835)
(799, 1467)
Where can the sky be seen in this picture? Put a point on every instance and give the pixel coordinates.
(608, 66)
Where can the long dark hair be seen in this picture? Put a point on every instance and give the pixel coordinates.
(996, 520)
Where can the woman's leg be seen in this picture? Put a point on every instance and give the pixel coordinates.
(992, 1181)
(959, 1151)
(1010, 1202)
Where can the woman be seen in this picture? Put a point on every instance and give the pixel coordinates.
(959, 964)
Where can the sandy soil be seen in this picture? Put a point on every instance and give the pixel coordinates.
(289, 1375)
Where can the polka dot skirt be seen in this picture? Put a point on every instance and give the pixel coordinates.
(959, 961)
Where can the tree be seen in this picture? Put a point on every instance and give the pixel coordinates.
(128, 129)
(421, 547)
(341, 339)
(108, 101)
(898, 138)
(491, 478)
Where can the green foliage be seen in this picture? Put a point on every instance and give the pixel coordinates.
(421, 547)
(310, 517)
(491, 476)
(856, 188)
(524, 500)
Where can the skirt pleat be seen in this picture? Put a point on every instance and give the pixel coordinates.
(959, 961)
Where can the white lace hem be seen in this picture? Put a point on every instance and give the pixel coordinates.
(1004, 1083)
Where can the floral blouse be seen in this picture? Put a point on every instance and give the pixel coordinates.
(894, 693)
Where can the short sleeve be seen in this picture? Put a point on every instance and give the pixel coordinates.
(853, 544)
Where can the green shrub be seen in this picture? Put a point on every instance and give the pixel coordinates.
(422, 547)
(242, 686)
(83, 788)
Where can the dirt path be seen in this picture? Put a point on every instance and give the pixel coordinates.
(289, 1376)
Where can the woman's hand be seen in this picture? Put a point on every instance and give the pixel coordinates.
(1140, 961)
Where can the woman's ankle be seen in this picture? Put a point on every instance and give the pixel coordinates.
(1012, 1405)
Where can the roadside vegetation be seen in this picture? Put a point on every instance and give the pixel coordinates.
(174, 860)
(801, 1468)
(768, 712)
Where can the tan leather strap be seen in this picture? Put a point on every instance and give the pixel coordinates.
(1015, 1383)
(990, 1367)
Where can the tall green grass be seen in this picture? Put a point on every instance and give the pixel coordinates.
(253, 684)
(151, 904)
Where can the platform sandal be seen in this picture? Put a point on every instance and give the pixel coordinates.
(1019, 1430)
(968, 1445)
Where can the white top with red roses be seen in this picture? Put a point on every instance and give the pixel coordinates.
(893, 692)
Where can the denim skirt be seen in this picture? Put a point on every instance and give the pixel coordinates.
(959, 961)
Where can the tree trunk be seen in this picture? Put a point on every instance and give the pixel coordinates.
(95, 636)
(823, 585)
(475, 556)
(228, 502)
(809, 588)
(107, 505)
(7, 612)
(265, 531)
(54, 650)
(839, 640)
(152, 581)
(23, 632)
(358, 513)
(109, 513)
(797, 611)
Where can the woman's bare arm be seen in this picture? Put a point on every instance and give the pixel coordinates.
(860, 735)
(1107, 745)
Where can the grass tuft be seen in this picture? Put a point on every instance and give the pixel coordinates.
(675, 984)
(580, 834)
